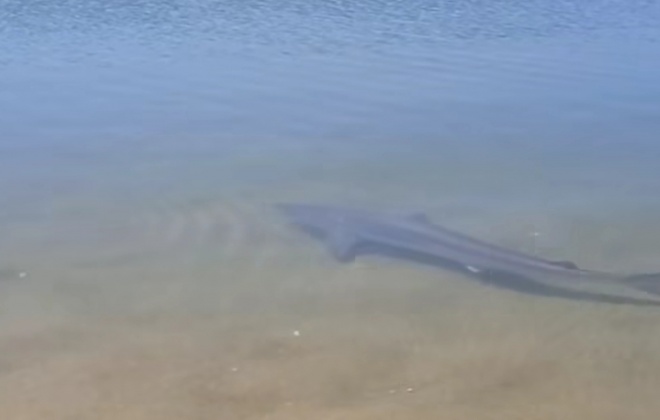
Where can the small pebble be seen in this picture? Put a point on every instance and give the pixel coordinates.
(22, 275)
(234, 369)
(409, 390)
(296, 333)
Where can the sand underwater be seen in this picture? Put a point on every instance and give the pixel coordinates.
(207, 308)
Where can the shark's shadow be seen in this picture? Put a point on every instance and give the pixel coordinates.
(500, 279)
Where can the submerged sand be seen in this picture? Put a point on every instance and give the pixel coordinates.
(214, 309)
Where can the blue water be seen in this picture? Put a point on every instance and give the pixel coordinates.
(142, 144)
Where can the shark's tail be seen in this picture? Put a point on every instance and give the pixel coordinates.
(649, 283)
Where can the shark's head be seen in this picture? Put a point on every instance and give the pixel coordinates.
(317, 220)
(337, 227)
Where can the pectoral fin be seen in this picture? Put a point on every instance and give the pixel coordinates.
(342, 244)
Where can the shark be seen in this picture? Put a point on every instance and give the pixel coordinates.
(349, 233)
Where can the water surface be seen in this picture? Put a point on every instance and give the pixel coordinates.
(144, 273)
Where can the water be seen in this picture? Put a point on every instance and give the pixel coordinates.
(144, 273)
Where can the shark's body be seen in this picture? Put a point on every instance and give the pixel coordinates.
(349, 232)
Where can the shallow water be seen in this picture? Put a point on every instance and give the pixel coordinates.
(144, 273)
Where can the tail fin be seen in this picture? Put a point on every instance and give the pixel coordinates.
(649, 283)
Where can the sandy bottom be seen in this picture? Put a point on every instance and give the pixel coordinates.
(225, 313)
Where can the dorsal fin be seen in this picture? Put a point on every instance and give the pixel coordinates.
(566, 264)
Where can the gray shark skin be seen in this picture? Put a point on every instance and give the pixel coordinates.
(350, 232)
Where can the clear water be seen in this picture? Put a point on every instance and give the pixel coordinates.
(145, 275)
